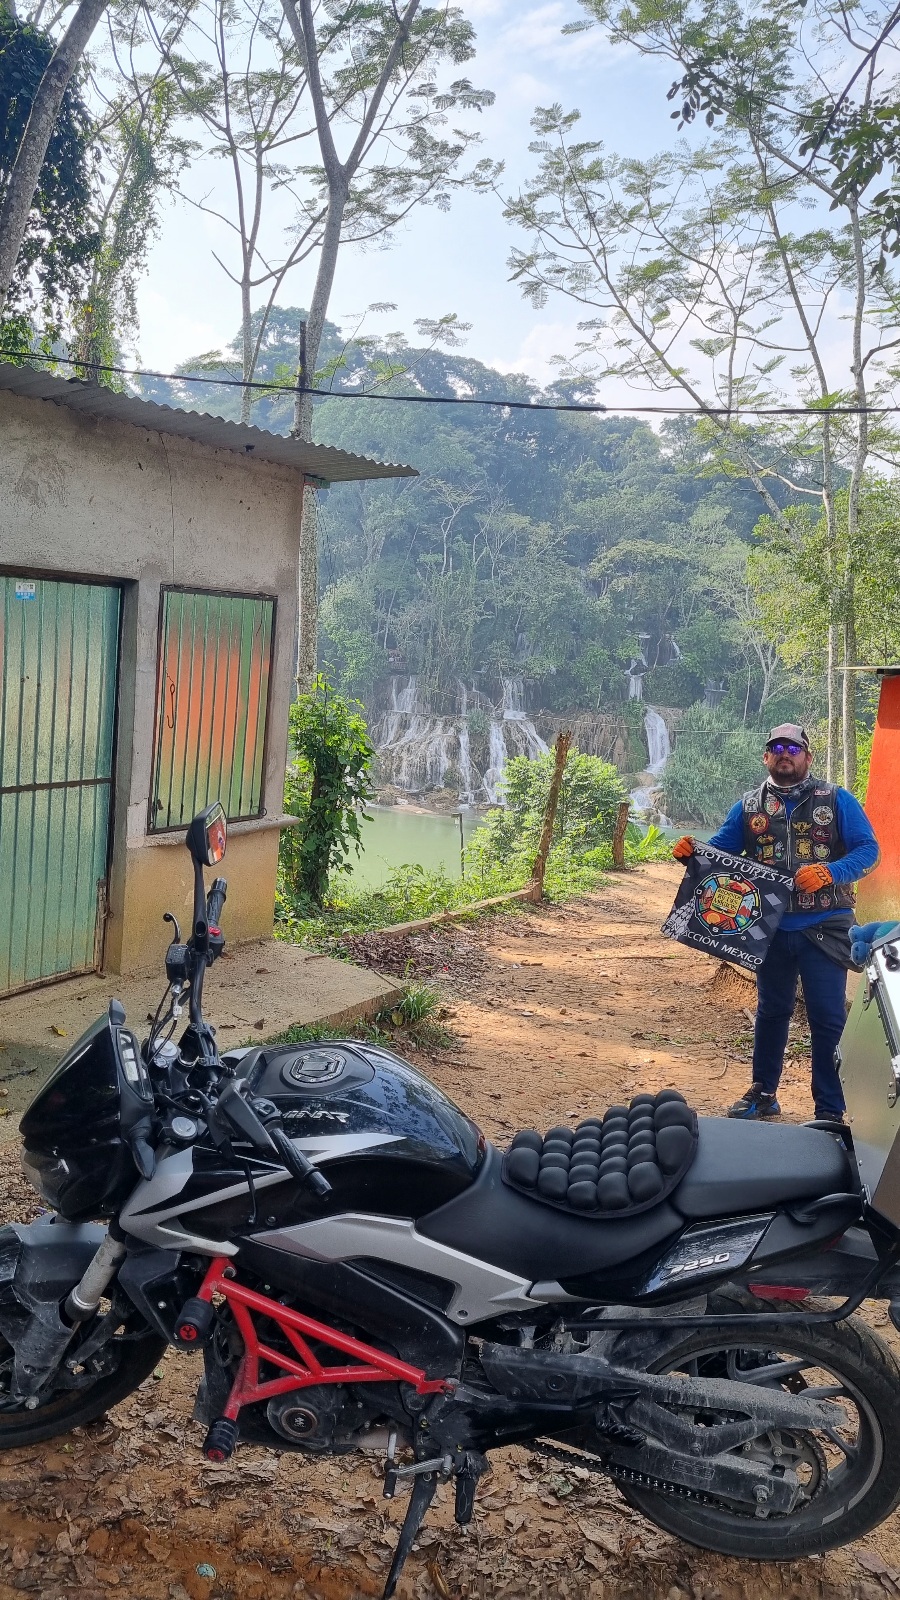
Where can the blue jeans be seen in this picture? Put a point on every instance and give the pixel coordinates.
(792, 956)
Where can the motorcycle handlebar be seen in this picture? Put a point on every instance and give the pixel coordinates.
(215, 900)
(299, 1164)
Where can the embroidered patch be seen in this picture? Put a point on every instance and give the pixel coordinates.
(759, 823)
(822, 834)
(801, 827)
(825, 792)
(824, 901)
(821, 852)
(804, 850)
(779, 850)
(765, 852)
(773, 805)
(807, 901)
(822, 814)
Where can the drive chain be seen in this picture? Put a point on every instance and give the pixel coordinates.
(572, 1457)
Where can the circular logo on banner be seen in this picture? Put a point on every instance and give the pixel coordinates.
(759, 824)
(822, 814)
(726, 903)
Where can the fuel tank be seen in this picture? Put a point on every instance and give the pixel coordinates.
(388, 1140)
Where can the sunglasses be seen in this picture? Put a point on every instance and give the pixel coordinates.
(784, 747)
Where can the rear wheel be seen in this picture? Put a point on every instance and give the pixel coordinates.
(81, 1396)
(850, 1476)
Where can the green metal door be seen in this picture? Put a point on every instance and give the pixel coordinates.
(59, 647)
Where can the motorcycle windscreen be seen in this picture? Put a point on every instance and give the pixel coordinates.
(869, 1056)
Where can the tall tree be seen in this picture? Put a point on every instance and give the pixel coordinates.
(372, 77)
(20, 182)
(47, 235)
(705, 283)
(250, 98)
(142, 150)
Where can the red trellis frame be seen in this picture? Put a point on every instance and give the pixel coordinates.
(373, 1366)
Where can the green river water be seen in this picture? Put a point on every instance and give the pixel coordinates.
(396, 836)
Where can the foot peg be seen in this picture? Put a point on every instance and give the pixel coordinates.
(220, 1441)
(474, 1467)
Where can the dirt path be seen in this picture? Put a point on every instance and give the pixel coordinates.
(557, 1012)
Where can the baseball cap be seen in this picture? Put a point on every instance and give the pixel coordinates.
(789, 731)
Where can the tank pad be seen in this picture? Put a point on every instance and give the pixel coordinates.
(626, 1161)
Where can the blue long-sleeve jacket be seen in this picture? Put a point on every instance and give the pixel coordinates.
(859, 842)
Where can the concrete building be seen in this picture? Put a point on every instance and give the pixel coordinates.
(148, 613)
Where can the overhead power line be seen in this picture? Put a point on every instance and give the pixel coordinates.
(503, 402)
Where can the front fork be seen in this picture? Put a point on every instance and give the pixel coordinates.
(50, 1329)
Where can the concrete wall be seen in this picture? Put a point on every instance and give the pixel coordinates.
(85, 497)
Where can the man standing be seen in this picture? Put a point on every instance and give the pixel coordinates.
(820, 835)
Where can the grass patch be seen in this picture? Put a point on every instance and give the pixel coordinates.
(417, 1018)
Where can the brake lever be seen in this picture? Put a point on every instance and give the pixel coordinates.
(233, 1107)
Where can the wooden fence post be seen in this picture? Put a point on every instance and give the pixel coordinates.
(618, 839)
(561, 748)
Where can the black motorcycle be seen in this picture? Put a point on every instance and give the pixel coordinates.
(362, 1268)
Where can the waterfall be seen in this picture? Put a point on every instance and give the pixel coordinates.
(466, 777)
(659, 748)
(496, 763)
(417, 749)
(513, 699)
(658, 744)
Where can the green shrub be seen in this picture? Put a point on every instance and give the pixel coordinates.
(327, 786)
(712, 765)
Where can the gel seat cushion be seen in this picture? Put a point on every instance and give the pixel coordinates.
(629, 1159)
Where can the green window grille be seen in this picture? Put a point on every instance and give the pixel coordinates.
(215, 660)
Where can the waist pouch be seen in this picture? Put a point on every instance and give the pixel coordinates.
(832, 937)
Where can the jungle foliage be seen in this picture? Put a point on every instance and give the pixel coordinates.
(60, 234)
(535, 545)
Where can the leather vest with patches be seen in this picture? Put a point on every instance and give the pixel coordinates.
(810, 834)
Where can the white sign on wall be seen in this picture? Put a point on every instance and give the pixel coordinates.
(25, 589)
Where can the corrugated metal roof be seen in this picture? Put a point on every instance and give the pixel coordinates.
(318, 460)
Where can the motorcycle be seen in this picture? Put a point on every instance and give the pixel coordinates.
(362, 1268)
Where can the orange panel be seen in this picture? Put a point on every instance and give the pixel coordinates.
(879, 893)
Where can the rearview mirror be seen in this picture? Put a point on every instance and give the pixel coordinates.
(206, 836)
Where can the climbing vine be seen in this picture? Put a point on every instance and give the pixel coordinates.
(327, 787)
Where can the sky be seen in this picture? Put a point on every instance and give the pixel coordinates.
(440, 262)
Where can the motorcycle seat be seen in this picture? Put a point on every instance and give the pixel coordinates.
(520, 1233)
(755, 1168)
(736, 1169)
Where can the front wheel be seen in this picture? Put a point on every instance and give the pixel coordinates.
(850, 1475)
(82, 1396)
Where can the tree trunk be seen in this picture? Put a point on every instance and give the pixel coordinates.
(561, 750)
(308, 646)
(618, 839)
(860, 456)
(247, 352)
(831, 680)
(26, 170)
(849, 687)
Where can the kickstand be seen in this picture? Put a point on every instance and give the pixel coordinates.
(423, 1489)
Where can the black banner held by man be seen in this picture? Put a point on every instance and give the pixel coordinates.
(728, 906)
